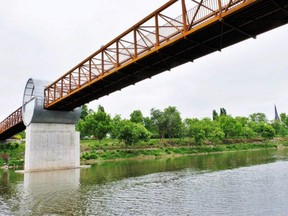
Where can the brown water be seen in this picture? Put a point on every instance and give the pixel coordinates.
(243, 183)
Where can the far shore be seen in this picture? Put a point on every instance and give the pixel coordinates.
(93, 153)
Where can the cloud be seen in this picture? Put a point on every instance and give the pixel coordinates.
(44, 39)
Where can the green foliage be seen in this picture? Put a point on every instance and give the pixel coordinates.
(137, 117)
(173, 122)
(158, 122)
(96, 124)
(230, 126)
(204, 129)
(168, 123)
(85, 112)
(258, 118)
(215, 115)
(267, 131)
(131, 133)
(170, 151)
(223, 112)
(115, 124)
(12, 153)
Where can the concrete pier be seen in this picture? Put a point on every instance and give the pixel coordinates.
(51, 146)
(51, 140)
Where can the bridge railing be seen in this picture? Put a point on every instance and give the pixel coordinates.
(12, 120)
(149, 35)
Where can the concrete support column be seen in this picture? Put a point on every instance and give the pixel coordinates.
(51, 146)
(51, 140)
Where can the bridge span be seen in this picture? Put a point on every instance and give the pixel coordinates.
(157, 43)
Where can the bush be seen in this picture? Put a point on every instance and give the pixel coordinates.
(132, 133)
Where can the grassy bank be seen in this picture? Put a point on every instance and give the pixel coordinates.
(12, 154)
(92, 151)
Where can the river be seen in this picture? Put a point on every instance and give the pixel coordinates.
(235, 183)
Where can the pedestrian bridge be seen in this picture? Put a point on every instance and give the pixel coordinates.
(176, 33)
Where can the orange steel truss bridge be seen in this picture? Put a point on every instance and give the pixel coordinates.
(156, 44)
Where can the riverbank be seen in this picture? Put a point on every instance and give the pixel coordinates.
(145, 152)
(110, 150)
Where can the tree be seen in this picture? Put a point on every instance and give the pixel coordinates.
(205, 129)
(97, 124)
(115, 126)
(267, 131)
(215, 115)
(148, 124)
(223, 112)
(196, 131)
(230, 126)
(158, 122)
(173, 121)
(131, 133)
(137, 117)
(85, 111)
(258, 117)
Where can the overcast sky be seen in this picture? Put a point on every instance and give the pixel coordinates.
(44, 39)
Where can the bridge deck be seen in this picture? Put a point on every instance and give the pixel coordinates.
(211, 32)
(12, 125)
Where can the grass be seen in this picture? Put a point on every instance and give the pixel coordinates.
(111, 149)
(164, 149)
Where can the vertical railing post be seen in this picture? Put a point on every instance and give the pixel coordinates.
(54, 92)
(70, 83)
(135, 43)
(61, 93)
(220, 9)
(157, 30)
(79, 76)
(102, 62)
(117, 54)
(90, 70)
(184, 14)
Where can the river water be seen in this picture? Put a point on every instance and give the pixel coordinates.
(241, 183)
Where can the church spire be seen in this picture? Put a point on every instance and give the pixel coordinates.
(276, 113)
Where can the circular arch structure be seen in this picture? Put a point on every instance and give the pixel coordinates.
(33, 106)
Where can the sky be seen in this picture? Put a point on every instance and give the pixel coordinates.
(45, 39)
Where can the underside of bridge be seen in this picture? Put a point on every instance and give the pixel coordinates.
(12, 131)
(248, 22)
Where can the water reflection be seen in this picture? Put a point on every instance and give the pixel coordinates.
(195, 185)
(50, 192)
(113, 171)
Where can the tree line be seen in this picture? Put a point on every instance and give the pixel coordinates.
(168, 123)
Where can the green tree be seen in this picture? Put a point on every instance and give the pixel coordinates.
(137, 117)
(197, 131)
(284, 118)
(131, 133)
(230, 126)
(97, 124)
(81, 126)
(267, 131)
(205, 129)
(283, 131)
(85, 111)
(223, 112)
(258, 117)
(115, 126)
(158, 122)
(215, 115)
(148, 124)
(173, 122)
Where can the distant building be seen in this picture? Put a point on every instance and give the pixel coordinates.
(276, 114)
